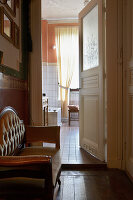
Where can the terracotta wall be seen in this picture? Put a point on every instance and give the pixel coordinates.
(48, 40)
(44, 40)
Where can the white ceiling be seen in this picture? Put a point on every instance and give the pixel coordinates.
(61, 9)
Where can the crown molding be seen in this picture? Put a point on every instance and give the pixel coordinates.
(60, 21)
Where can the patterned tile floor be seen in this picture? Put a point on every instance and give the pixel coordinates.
(71, 153)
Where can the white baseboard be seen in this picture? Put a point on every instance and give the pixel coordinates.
(64, 119)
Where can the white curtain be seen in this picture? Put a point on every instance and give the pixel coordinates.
(67, 46)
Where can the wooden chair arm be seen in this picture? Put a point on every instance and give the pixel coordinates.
(49, 134)
(12, 161)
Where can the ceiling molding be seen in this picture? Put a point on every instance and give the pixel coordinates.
(60, 21)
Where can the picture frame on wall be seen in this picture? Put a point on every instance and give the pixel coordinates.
(16, 36)
(11, 39)
(6, 25)
(1, 57)
(11, 6)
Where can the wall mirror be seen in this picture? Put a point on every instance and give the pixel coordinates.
(11, 6)
(6, 25)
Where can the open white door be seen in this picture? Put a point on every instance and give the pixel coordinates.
(91, 72)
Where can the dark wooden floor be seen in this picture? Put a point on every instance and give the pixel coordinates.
(94, 185)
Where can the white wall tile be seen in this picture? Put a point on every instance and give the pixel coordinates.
(50, 85)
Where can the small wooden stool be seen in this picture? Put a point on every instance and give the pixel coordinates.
(72, 109)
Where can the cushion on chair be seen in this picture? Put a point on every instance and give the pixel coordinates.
(73, 108)
(49, 151)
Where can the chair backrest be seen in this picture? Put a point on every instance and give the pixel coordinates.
(11, 131)
(74, 97)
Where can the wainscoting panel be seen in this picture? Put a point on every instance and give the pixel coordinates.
(13, 92)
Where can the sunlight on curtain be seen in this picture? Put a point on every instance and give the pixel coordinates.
(67, 46)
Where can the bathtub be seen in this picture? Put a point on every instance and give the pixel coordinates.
(54, 116)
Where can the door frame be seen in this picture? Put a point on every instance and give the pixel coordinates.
(128, 85)
(114, 74)
(114, 77)
(35, 66)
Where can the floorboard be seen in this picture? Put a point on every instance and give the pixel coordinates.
(95, 185)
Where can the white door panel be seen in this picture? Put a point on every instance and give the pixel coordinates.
(91, 79)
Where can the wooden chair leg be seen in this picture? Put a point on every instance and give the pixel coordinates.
(49, 190)
(59, 182)
(69, 117)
